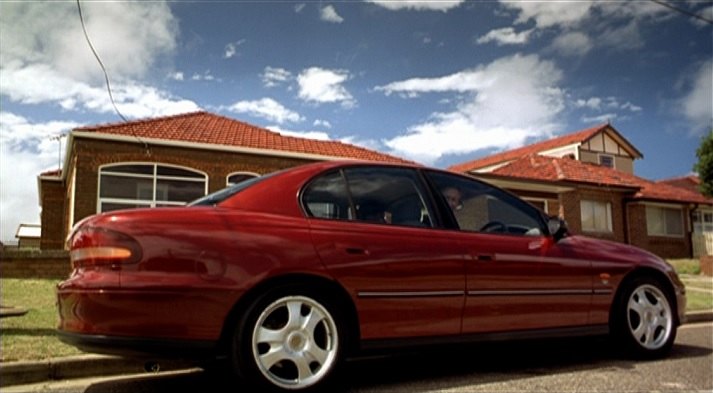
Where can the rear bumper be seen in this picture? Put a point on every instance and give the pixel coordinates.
(141, 347)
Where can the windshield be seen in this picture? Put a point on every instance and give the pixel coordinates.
(220, 196)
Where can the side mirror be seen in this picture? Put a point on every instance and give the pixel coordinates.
(557, 228)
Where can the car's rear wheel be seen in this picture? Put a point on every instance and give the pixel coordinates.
(645, 321)
(290, 339)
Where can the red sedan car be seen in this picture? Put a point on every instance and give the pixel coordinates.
(289, 273)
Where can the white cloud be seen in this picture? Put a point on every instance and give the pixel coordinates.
(320, 85)
(28, 143)
(418, 5)
(318, 135)
(550, 13)
(609, 104)
(603, 118)
(231, 49)
(266, 108)
(41, 33)
(177, 76)
(329, 14)
(506, 36)
(39, 84)
(697, 105)
(572, 44)
(299, 7)
(507, 101)
(591, 103)
(273, 76)
(322, 123)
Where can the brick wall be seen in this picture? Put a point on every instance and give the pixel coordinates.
(52, 215)
(663, 246)
(90, 154)
(570, 210)
(53, 264)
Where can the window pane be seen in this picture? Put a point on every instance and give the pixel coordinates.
(178, 172)
(654, 220)
(674, 224)
(126, 187)
(237, 178)
(326, 197)
(178, 190)
(480, 207)
(387, 195)
(138, 169)
(587, 209)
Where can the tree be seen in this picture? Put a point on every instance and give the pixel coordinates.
(704, 166)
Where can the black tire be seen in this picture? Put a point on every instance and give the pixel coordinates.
(290, 339)
(644, 321)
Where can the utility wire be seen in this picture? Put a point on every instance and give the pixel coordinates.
(106, 78)
(683, 11)
(96, 55)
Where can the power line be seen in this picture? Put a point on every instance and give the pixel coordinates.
(106, 78)
(683, 11)
(96, 55)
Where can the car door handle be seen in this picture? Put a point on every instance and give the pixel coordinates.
(356, 251)
(485, 258)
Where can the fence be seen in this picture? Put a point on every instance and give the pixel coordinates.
(702, 244)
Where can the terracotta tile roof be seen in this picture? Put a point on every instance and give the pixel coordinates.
(691, 182)
(52, 173)
(208, 128)
(510, 155)
(566, 170)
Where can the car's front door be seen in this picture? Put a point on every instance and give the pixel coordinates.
(517, 277)
(372, 227)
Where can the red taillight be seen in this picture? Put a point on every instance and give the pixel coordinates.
(91, 246)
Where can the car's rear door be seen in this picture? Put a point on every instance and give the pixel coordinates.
(372, 227)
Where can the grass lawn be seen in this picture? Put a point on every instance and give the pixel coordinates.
(33, 336)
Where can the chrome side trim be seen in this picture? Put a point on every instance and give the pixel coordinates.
(532, 292)
(411, 294)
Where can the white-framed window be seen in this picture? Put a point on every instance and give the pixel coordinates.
(538, 203)
(606, 160)
(132, 185)
(702, 221)
(664, 221)
(596, 216)
(237, 177)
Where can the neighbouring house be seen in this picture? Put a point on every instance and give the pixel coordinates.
(587, 178)
(167, 161)
(28, 236)
(701, 218)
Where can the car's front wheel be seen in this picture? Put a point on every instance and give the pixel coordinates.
(645, 321)
(289, 340)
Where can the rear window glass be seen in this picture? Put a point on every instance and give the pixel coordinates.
(219, 196)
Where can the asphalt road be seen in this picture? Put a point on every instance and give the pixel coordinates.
(556, 366)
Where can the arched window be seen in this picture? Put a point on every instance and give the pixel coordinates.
(131, 185)
(237, 177)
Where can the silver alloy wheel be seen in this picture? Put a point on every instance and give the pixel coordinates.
(295, 342)
(649, 317)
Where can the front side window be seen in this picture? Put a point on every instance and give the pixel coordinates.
(369, 194)
(664, 221)
(126, 186)
(480, 207)
(596, 216)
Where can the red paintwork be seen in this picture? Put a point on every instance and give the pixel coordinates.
(198, 262)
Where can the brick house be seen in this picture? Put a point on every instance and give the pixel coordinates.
(167, 161)
(587, 178)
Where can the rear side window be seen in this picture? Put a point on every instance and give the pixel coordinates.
(379, 195)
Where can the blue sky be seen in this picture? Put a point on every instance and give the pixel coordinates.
(438, 82)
